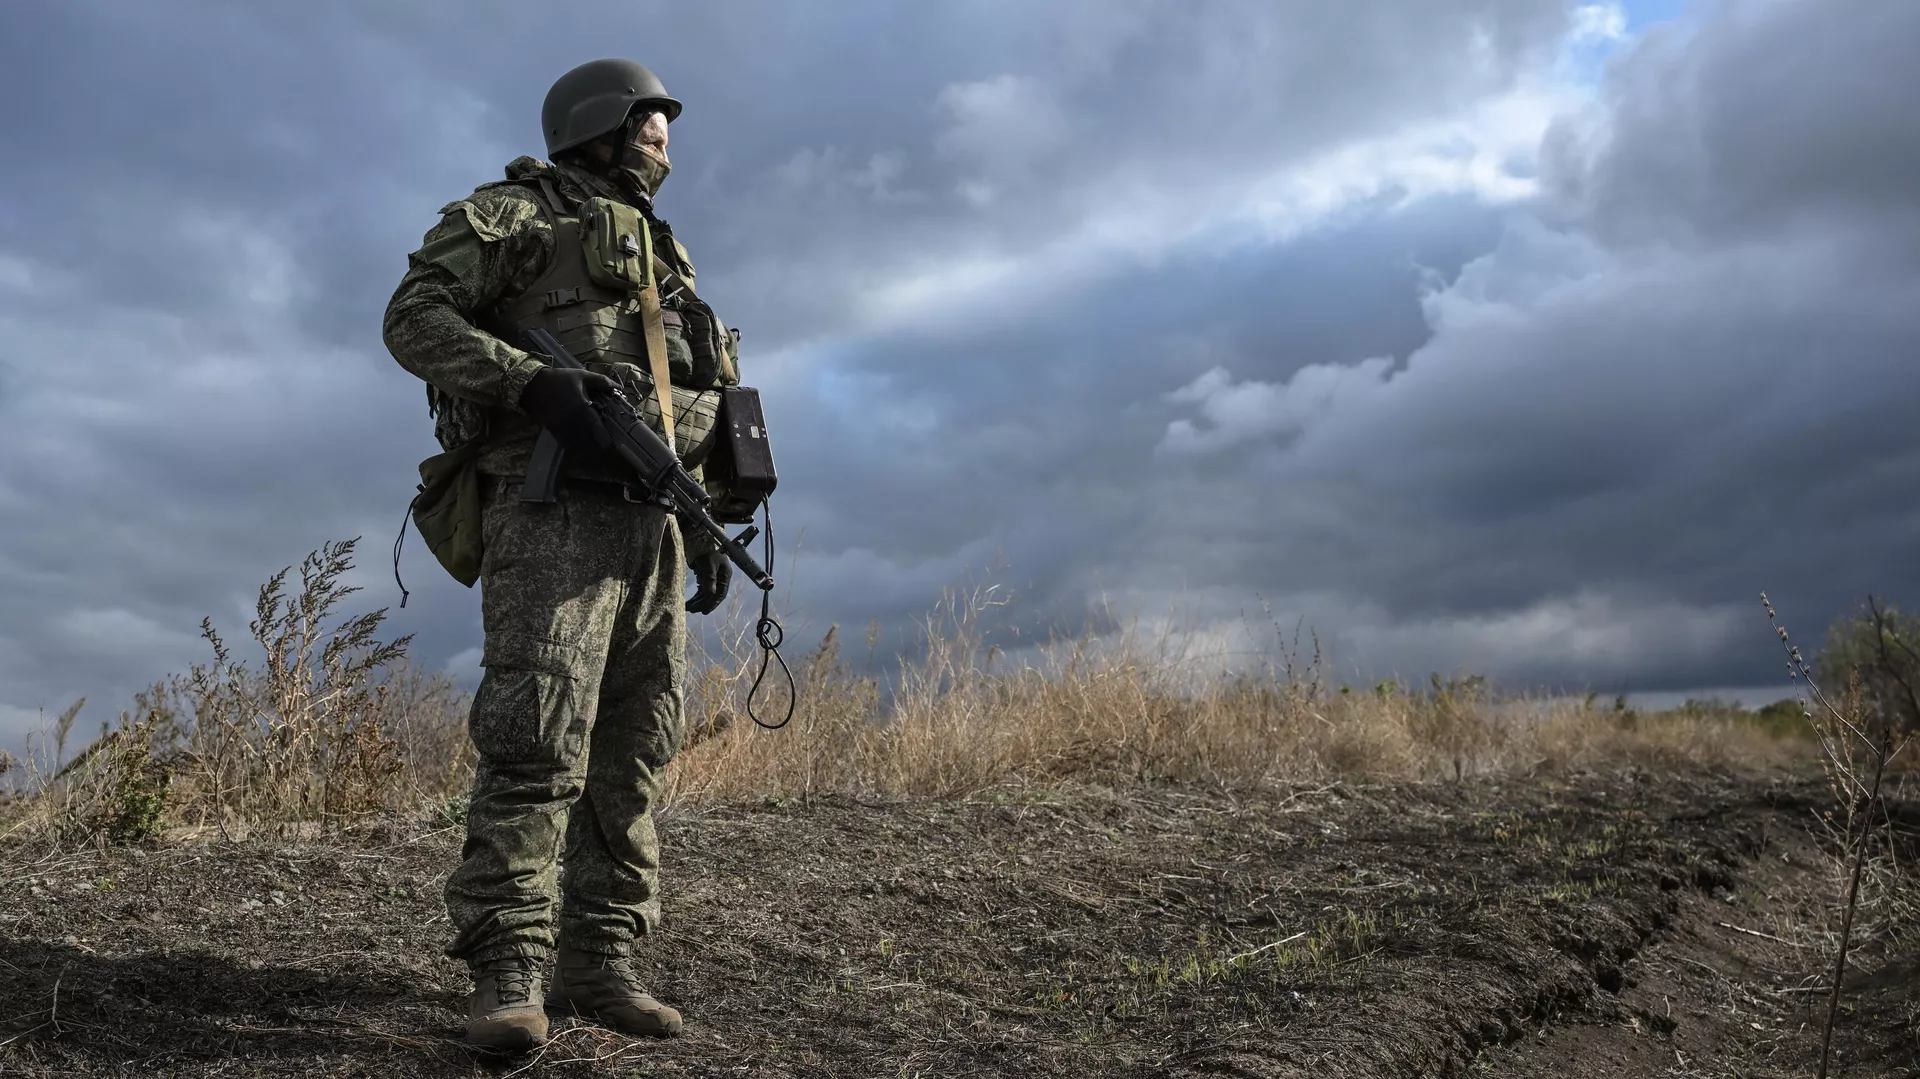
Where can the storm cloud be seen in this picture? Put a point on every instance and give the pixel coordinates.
(1504, 335)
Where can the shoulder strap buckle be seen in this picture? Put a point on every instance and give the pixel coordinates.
(561, 297)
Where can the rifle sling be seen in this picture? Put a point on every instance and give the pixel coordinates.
(656, 334)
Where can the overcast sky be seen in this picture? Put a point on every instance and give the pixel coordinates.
(1507, 336)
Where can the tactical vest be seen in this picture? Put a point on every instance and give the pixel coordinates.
(604, 255)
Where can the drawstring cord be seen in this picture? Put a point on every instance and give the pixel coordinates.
(398, 541)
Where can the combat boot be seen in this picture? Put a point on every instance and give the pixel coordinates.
(505, 1010)
(606, 989)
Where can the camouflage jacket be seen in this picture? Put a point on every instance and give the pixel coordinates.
(488, 247)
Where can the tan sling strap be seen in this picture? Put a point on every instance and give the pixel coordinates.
(655, 329)
(656, 334)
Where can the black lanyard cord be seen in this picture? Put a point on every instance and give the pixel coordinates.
(770, 635)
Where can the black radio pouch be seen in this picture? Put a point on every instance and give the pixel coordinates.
(739, 472)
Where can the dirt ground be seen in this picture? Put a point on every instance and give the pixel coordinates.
(1616, 925)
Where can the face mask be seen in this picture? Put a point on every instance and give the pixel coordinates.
(645, 171)
(641, 168)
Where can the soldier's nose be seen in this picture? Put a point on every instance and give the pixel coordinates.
(652, 132)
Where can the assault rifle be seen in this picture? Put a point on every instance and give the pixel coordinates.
(656, 467)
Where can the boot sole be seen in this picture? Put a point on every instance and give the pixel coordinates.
(568, 1007)
(507, 1037)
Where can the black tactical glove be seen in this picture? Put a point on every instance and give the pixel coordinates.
(712, 571)
(562, 400)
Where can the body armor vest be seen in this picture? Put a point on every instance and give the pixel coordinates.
(604, 254)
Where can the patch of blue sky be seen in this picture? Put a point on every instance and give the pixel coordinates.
(1603, 28)
(1608, 27)
(1599, 30)
(1642, 14)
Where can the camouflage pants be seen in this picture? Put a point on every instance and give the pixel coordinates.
(575, 721)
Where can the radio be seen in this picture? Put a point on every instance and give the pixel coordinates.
(739, 471)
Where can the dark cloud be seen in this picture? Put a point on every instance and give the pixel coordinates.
(1687, 380)
(978, 250)
(1762, 119)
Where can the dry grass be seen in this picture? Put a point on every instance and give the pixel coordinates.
(1132, 708)
(334, 727)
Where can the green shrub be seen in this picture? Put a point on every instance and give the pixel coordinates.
(1877, 646)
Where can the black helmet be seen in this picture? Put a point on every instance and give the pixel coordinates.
(594, 98)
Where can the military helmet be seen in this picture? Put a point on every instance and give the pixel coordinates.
(594, 98)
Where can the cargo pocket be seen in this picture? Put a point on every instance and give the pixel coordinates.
(528, 708)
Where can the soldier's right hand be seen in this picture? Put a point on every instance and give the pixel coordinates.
(562, 400)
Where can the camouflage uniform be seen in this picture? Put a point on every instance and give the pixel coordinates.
(581, 706)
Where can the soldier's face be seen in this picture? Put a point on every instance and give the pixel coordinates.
(651, 136)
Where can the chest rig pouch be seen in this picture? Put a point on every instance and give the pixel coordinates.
(617, 244)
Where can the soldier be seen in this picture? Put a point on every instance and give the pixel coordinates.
(580, 709)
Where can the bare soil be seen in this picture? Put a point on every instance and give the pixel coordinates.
(1618, 925)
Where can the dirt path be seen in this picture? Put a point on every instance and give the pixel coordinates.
(1549, 928)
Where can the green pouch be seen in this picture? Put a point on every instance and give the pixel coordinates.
(447, 510)
(618, 245)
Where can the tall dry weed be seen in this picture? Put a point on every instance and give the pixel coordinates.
(330, 726)
(1861, 735)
